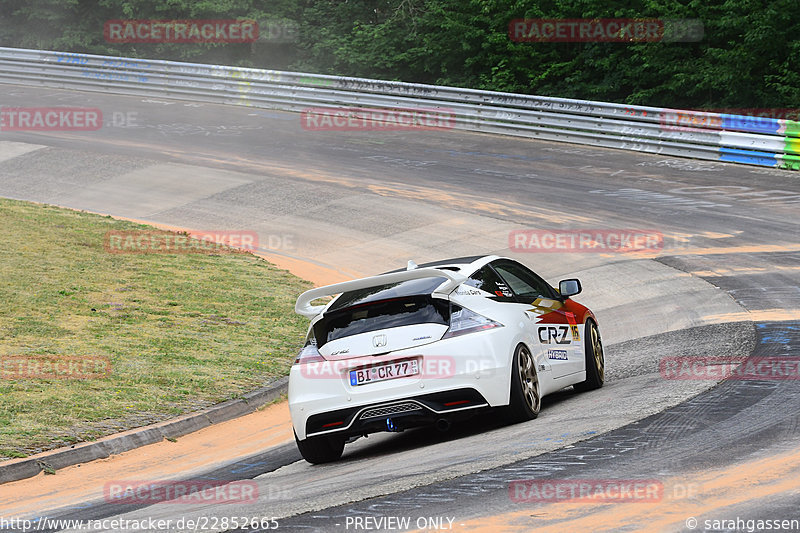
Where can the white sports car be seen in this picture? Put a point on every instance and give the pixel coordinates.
(435, 343)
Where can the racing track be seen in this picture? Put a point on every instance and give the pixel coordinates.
(360, 203)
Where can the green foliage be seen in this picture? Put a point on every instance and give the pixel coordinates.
(179, 331)
(747, 57)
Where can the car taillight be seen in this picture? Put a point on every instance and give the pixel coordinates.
(309, 352)
(463, 321)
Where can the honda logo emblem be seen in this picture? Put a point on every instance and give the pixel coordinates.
(379, 341)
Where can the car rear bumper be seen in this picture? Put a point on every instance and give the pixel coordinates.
(396, 415)
(321, 394)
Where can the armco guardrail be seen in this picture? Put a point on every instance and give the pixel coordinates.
(711, 136)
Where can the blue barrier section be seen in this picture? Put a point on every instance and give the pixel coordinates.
(751, 157)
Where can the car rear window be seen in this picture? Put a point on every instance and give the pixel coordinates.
(382, 314)
(401, 289)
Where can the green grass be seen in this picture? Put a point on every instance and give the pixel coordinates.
(181, 331)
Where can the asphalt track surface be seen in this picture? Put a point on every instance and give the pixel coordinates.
(725, 284)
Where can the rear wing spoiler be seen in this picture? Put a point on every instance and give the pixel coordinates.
(304, 307)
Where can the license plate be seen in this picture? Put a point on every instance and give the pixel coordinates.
(382, 372)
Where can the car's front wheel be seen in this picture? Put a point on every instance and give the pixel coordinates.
(595, 359)
(526, 397)
(321, 449)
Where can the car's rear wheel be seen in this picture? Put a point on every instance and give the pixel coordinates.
(526, 397)
(321, 449)
(595, 359)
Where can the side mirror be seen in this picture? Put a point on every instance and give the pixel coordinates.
(569, 287)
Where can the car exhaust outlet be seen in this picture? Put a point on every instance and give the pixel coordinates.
(391, 426)
(443, 424)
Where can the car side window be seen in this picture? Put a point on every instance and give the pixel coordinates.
(487, 280)
(522, 281)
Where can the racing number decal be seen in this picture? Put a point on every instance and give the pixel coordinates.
(573, 326)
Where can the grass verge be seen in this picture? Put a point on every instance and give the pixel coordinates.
(179, 331)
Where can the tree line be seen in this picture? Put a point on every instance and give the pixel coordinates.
(746, 57)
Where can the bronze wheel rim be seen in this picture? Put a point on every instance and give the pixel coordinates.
(529, 380)
(597, 348)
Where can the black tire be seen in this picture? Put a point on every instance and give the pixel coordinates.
(322, 449)
(526, 395)
(595, 359)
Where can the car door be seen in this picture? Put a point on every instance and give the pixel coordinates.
(492, 286)
(553, 326)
